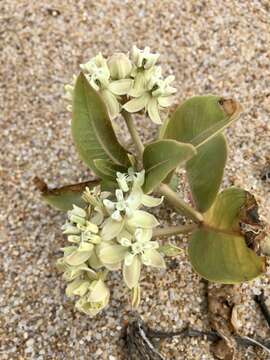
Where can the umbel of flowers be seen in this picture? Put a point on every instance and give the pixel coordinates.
(132, 83)
(112, 232)
(109, 222)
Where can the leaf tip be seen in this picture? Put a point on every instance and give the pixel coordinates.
(230, 106)
(40, 184)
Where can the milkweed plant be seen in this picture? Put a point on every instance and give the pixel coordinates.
(109, 225)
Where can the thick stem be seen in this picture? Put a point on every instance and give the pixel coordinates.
(134, 133)
(173, 230)
(164, 189)
(173, 198)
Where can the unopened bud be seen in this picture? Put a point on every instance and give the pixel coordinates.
(119, 66)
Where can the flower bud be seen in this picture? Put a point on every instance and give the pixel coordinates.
(95, 300)
(119, 66)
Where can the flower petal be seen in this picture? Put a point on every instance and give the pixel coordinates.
(136, 104)
(153, 258)
(129, 258)
(151, 201)
(120, 87)
(113, 267)
(72, 286)
(143, 235)
(77, 287)
(99, 292)
(112, 254)
(111, 229)
(165, 101)
(131, 273)
(136, 296)
(142, 219)
(80, 255)
(94, 261)
(152, 109)
(111, 102)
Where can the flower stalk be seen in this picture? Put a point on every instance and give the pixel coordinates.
(134, 133)
(174, 230)
(171, 196)
(179, 204)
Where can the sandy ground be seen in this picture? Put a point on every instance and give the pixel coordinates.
(219, 47)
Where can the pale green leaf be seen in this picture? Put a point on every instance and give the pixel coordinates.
(223, 257)
(225, 213)
(91, 127)
(199, 121)
(170, 249)
(200, 118)
(161, 157)
(218, 250)
(107, 169)
(65, 197)
(205, 171)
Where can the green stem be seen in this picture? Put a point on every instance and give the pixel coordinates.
(179, 204)
(164, 189)
(174, 230)
(134, 133)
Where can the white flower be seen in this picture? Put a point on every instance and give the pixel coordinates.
(96, 209)
(98, 74)
(134, 249)
(125, 211)
(143, 58)
(83, 234)
(95, 298)
(152, 96)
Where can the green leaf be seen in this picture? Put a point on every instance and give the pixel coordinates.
(224, 258)
(205, 171)
(200, 118)
(108, 185)
(108, 169)
(218, 250)
(170, 249)
(174, 182)
(63, 198)
(232, 206)
(92, 130)
(161, 157)
(199, 121)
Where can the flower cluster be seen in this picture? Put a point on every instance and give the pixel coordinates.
(110, 233)
(133, 83)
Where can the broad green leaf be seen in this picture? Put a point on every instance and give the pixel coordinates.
(223, 257)
(218, 250)
(63, 198)
(199, 121)
(161, 157)
(108, 169)
(174, 182)
(232, 206)
(200, 118)
(91, 128)
(108, 185)
(205, 171)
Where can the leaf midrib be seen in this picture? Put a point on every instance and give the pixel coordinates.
(102, 146)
